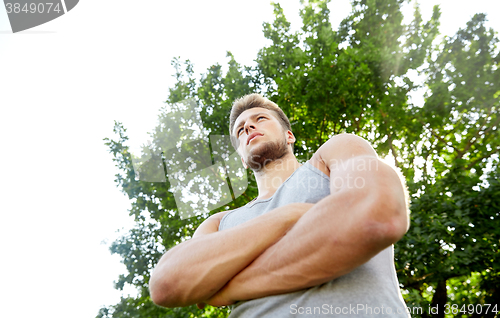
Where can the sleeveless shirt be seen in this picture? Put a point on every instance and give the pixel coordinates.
(370, 290)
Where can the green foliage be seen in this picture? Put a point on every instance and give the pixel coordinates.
(455, 206)
(357, 80)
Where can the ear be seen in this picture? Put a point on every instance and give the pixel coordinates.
(244, 164)
(290, 138)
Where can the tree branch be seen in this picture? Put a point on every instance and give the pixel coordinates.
(437, 136)
(394, 154)
(474, 139)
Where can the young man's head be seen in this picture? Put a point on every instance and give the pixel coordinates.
(260, 131)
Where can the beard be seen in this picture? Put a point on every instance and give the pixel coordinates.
(266, 153)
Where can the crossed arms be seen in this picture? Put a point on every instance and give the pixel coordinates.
(295, 246)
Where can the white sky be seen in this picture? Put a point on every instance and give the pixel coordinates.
(62, 84)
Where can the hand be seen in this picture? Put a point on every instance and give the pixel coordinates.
(217, 300)
(220, 299)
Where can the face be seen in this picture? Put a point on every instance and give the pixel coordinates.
(260, 138)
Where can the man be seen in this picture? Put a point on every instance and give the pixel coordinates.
(316, 241)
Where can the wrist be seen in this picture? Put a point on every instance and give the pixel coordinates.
(296, 210)
(221, 298)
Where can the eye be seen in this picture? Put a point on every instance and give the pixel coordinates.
(260, 117)
(239, 131)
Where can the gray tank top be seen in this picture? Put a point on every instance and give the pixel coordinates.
(370, 290)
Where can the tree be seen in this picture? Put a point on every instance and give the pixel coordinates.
(455, 202)
(159, 224)
(356, 80)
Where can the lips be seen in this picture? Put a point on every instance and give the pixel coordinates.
(252, 136)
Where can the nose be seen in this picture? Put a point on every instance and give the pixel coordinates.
(249, 125)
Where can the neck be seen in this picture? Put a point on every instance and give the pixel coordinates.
(274, 174)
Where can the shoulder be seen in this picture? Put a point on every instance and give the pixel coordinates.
(217, 216)
(210, 225)
(339, 149)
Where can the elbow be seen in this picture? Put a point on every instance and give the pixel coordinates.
(388, 221)
(158, 298)
(390, 231)
(388, 217)
(162, 292)
(381, 234)
(159, 295)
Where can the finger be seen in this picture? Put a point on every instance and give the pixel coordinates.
(201, 305)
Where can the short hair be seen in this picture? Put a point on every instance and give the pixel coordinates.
(256, 100)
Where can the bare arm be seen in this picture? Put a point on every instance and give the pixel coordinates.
(195, 270)
(341, 232)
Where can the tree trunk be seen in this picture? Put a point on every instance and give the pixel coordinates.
(439, 299)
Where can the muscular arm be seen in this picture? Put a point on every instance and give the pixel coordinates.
(342, 231)
(195, 270)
